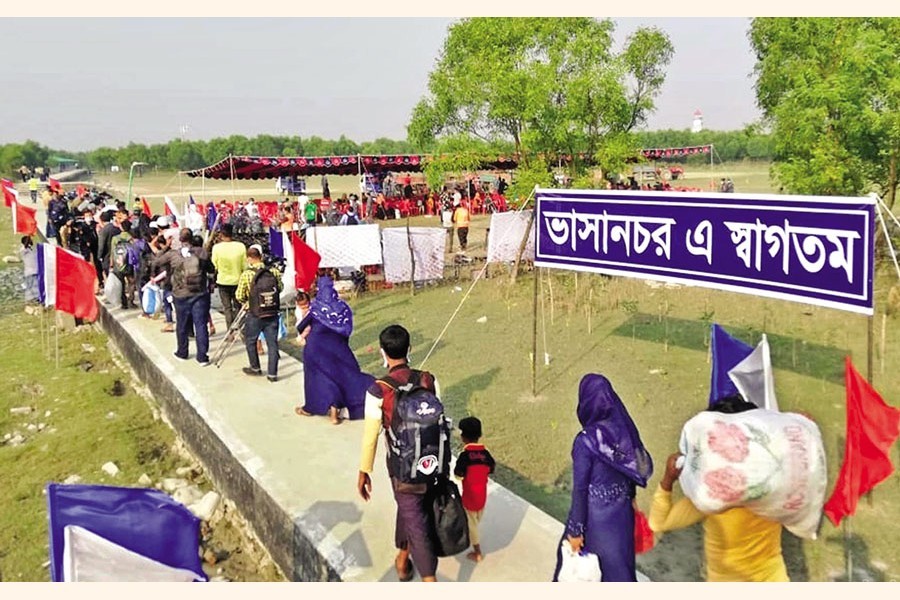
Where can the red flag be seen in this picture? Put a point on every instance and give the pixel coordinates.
(872, 428)
(643, 535)
(306, 263)
(24, 219)
(75, 280)
(10, 194)
(80, 190)
(55, 185)
(146, 208)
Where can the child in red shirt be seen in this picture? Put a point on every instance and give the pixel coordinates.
(473, 466)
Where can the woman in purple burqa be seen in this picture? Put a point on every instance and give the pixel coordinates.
(608, 461)
(332, 379)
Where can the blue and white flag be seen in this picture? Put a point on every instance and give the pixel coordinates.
(739, 368)
(104, 533)
(276, 243)
(753, 377)
(46, 258)
(211, 215)
(727, 353)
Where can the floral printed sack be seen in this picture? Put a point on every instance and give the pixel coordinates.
(769, 462)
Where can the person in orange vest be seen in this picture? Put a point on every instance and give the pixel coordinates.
(461, 221)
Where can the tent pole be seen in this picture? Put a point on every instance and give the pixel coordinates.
(231, 163)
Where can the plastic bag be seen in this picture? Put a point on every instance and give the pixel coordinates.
(643, 535)
(112, 290)
(282, 328)
(151, 299)
(583, 566)
(769, 462)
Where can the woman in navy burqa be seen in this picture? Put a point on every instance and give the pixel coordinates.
(608, 461)
(332, 379)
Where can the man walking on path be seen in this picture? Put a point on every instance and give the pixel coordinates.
(229, 258)
(190, 267)
(33, 188)
(412, 535)
(259, 289)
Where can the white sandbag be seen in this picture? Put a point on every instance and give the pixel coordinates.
(769, 462)
(583, 566)
(112, 290)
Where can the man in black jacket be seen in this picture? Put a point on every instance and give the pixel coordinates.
(108, 231)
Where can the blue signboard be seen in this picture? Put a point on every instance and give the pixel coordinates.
(813, 249)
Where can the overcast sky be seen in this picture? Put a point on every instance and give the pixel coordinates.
(79, 84)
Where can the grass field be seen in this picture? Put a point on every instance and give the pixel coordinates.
(82, 425)
(652, 342)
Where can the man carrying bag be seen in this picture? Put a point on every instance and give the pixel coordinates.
(259, 288)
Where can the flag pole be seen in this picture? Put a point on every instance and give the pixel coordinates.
(43, 343)
(56, 315)
(847, 553)
(534, 319)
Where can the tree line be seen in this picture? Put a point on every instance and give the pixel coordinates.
(181, 155)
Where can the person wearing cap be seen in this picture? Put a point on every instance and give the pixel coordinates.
(473, 466)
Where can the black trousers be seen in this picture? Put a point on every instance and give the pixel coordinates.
(463, 233)
(230, 305)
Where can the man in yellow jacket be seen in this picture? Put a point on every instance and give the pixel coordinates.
(739, 545)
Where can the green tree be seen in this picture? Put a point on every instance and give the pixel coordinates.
(831, 89)
(544, 85)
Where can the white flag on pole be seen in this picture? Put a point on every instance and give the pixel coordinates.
(753, 377)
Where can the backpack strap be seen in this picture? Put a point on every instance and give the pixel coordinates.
(256, 276)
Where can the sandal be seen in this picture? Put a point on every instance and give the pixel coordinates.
(299, 410)
(409, 570)
(334, 414)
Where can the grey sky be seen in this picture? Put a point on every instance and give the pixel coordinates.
(80, 83)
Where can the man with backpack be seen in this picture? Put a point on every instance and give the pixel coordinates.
(121, 263)
(349, 217)
(189, 267)
(259, 290)
(405, 404)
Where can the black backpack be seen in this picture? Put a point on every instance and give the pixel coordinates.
(449, 522)
(190, 273)
(265, 300)
(120, 258)
(418, 438)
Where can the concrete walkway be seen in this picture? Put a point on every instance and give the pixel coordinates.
(308, 467)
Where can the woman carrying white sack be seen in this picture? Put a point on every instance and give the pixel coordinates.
(738, 544)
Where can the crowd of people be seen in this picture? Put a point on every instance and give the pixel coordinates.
(133, 250)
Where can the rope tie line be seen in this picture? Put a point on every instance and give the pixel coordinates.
(472, 287)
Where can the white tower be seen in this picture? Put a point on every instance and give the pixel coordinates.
(698, 122)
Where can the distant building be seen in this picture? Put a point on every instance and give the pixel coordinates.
(698, 122)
